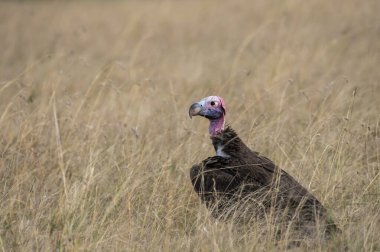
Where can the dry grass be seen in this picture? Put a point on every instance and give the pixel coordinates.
(95, 141)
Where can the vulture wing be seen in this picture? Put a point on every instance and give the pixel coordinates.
(244, 183)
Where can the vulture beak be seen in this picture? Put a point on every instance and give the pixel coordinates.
(195, 109)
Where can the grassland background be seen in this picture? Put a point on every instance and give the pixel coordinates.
(96, 144)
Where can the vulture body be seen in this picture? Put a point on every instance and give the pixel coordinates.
(241, 184)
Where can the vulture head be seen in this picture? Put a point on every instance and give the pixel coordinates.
(214, 109)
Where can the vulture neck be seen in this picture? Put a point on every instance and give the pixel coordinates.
(216, 126)
(228, 144)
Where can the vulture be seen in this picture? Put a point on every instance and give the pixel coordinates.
(240, 184)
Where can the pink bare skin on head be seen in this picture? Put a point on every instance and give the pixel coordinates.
(214, 109)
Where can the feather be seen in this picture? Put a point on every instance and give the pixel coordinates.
(244, 185)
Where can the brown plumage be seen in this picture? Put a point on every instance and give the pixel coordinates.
(243, 185)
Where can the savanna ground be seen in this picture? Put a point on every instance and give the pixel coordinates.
(95, 140)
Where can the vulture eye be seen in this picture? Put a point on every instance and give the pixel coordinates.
(212, 103)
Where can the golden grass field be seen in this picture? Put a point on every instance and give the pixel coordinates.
(96, 143)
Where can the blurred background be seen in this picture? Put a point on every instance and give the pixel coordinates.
(96, 145)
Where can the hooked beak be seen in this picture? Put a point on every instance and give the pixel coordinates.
(195, 109)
